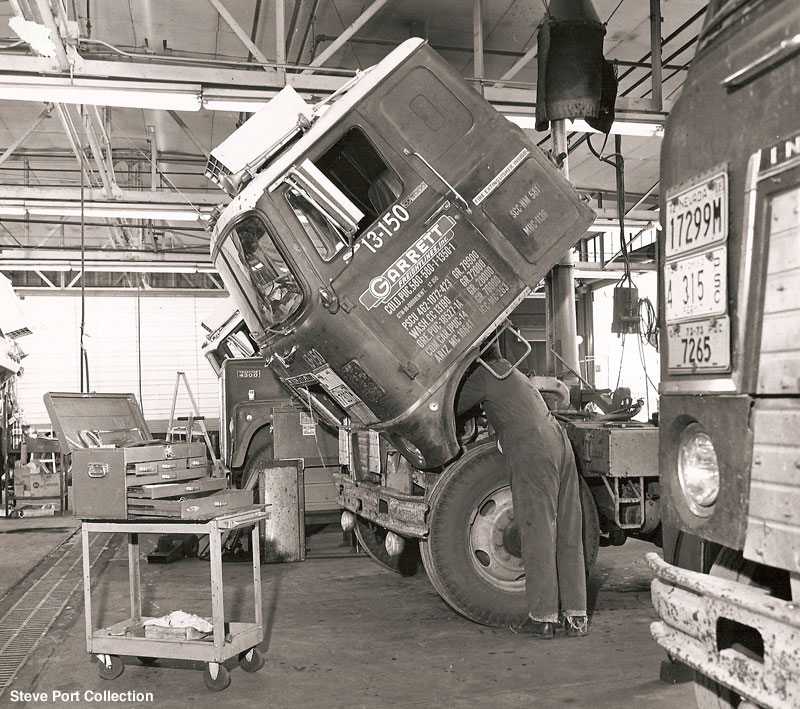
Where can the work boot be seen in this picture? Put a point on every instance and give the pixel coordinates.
(576, 626)
(534, 628)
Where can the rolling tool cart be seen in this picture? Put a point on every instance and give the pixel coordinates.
(132, 637)
(124, 481)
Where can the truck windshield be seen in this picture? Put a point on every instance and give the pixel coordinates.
(277, 291)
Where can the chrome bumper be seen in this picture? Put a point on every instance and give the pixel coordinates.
(397, 511)
(693, 606)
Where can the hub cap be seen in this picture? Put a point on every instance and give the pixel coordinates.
(494, 542)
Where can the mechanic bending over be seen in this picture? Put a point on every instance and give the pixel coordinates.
(545, 494)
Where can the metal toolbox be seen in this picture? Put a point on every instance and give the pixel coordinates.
(113, 452)
(618, 449)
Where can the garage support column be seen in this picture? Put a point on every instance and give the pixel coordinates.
(562, 329)
(280, 40)
(655, 53)
(477, 44)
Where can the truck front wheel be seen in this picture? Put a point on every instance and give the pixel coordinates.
(472, 554)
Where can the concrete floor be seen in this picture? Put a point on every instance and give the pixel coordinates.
(343, 632)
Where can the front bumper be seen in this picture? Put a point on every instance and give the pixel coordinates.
(397, 511)
(693, 607)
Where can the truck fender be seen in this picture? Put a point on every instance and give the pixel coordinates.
(244, 431)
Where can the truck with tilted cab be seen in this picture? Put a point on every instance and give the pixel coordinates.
(373, 242)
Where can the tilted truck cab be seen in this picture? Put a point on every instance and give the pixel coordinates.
(730, 387)
(372, 254)
(374, 240)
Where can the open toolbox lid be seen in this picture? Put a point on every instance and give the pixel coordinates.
(112, 419)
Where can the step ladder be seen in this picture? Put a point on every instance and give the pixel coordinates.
(187, 430)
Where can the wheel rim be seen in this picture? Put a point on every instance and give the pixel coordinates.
(494, 542)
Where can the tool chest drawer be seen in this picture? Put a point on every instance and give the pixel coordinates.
(167, 476)
(193, 507)
(157, 491)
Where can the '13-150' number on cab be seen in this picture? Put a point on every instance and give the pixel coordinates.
(385, 227)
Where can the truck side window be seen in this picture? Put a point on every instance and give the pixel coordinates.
(279, 294)
(327, 238)
(355, 168)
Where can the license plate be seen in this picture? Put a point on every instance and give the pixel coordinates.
(696, 286)
(697, 217)
(704, 345)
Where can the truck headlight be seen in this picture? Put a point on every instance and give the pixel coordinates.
(698, 471)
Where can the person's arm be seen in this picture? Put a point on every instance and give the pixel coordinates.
(473, 390)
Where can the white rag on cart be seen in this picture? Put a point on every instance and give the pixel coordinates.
(181, 619)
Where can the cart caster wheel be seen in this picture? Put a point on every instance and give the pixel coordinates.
(218, 683)
(251, 660)
(149, 661)
(191, 546)
(105, 672)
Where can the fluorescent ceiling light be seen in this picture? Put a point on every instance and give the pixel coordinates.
(125, 94)
(644, 130)
(233, 105)
(235, 101)
(169, 213)
(119, 266)
(633, 128)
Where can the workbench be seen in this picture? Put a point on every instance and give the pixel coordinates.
(127, 637)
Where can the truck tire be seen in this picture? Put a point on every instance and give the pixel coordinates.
(472, 553)
(253, 462)
(709, 694)
(372, 537)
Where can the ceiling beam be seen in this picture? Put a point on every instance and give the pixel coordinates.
(108, 260)
(189, 133)
(48, 109)
(49, 21)
(508, 100)
(200, 198)
(521, 63)
(221, 77)
(337, 44)
(244, 38)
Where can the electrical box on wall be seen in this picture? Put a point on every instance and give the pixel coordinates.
(626, 310)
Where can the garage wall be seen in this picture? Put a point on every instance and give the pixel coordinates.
(134, 345)
(635, 367)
